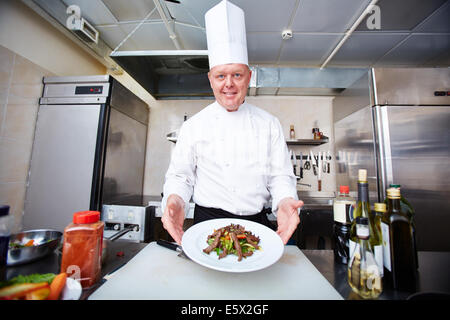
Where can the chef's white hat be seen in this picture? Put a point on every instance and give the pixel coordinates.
(225, 34)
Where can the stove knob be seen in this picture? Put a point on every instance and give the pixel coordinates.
(116, 227)
(110, 214)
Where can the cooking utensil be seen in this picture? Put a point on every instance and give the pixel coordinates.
(328, 161)
(304, 184)
(300, 165)
(319, 173)
(173, 246)
(45, 241)
(314, 162)
(307, 163)
(292, 155)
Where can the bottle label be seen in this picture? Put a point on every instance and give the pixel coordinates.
(342, 211)
(386, 246)
(352, 246)
(378, 251)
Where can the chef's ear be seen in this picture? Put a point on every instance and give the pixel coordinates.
(249, 75)
(209, 78)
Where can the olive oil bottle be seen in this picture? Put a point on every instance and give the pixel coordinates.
(362, 209)
(398, 245)
(409, 210)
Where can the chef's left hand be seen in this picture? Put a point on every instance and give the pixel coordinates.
(287, 217)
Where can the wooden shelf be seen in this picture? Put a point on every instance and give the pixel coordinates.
(172, 137)
(306, 142)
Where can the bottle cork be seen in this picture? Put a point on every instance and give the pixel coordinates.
(362, 175)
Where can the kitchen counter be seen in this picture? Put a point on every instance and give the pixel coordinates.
(433, 269)
(158, 273)
(118, 253)
(433, 275)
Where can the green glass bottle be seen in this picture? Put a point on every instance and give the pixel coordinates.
(399, 257)
(409, 210)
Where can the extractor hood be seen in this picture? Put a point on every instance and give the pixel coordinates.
(182, 74)
(171, 74)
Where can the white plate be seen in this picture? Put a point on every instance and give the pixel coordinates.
(194, 241)
(72, 290)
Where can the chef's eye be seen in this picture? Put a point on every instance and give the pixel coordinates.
(237, 75)
(220, 76)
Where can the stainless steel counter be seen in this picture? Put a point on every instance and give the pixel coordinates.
(433, 269)
(433, 275)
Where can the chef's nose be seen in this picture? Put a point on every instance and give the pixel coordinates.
(229, 81)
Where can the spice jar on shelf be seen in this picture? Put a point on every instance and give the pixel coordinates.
(292, 132)
(317, 134)
(82, 248)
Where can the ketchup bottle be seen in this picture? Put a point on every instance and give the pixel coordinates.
(82, 248)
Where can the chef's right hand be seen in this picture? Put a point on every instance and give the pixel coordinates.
(173, 217)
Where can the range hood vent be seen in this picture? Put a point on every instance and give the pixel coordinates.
(168, 75)
(183, 74)
(286, 81)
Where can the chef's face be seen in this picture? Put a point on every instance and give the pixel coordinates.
(230, 83)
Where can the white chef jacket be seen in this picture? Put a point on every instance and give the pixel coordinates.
(235, 161)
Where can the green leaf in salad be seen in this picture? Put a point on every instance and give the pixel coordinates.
(32, 278)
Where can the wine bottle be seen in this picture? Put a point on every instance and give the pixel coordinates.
(399, 255)
(378, 210)
(363, 273)
(409, 210)
(362, 209)
(343, 206)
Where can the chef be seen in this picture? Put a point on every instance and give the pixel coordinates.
(231, 157)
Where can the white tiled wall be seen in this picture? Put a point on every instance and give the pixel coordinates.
(20, 89)
(303, 112)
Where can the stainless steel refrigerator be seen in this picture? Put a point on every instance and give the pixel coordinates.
(88, 150)
(396, 124)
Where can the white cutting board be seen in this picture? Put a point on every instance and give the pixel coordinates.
(158, 273)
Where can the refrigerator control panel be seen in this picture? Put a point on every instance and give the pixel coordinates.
(88, 89)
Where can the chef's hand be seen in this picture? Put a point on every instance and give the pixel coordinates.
(173, 217)
(287, 217)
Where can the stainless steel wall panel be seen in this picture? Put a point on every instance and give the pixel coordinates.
(411, 86)
(125, 101)
(354, 144)
(414, 151)
(125, 157)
